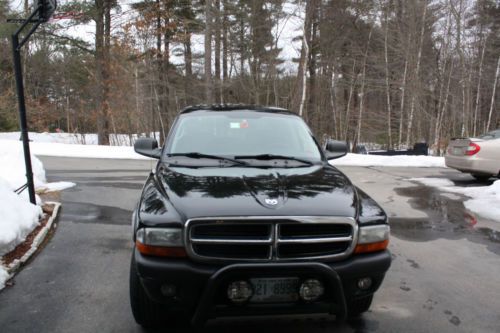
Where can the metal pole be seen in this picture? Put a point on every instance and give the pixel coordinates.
(22, 116)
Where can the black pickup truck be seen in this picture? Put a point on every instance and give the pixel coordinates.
(244, 216)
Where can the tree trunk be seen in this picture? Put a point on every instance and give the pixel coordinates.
(417, 71)
(225, 47)
(217, 32)
(478, 94)
(101, 73)
(441, 114)
(160, 81)
(354, 80)
(208, 52)
(305, 55)
(387, 86)
(333, 101)
(313, 49)
(242, 46)
(362, 91)
(188, 65)
(402, 105)
(488, 124)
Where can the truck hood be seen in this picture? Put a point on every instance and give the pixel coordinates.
(319, 190)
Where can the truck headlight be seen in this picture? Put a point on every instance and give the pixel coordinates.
(372, 238)
(165, 242)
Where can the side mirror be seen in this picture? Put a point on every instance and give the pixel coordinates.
(335, 149)
(147, 147)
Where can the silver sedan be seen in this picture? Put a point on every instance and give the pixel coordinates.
(477, 156)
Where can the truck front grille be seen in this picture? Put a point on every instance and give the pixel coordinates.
(270, 238)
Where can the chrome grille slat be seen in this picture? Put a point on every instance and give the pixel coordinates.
(319, 236)
(314, 240)
(231, 241)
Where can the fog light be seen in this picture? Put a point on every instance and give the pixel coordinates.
(239, 291)
(365, 283)
(311, 290)
(168, 290)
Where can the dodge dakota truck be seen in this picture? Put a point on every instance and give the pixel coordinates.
(243, 215)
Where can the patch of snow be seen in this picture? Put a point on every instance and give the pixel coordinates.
(390, 161)
(74, 150)
(4, 276)
(74, 138)
(484, 200)
(18, 218)
(434, 182)
(12, 168)
(56, 186)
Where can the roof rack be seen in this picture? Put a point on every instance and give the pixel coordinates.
(234, 107)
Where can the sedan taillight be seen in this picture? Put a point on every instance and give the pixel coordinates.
(472, 149)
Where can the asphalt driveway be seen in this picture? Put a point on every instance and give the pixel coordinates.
(444, 277)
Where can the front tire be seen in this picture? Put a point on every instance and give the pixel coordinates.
(357, 307)
(147, 313)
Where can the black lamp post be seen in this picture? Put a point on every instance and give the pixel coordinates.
(42, 13)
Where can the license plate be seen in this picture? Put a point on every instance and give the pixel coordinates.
(458, 151)
(271, 290)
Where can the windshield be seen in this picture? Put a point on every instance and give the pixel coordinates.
(491, 135)
(249, 133)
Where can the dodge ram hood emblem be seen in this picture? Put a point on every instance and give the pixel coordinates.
(272, 202)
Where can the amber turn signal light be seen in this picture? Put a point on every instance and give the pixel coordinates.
(161, 251)
(371, 247)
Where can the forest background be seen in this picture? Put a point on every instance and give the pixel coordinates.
(390, 72)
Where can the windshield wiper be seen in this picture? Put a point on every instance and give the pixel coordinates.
(213, 157)
(267, 157)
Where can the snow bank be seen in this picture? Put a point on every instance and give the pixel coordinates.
(484, 200)
(12, 168)
(18, 218)
(390, 161)
(75, 150)
(434, 182)
(3, 277)
(73, 138)
(57, 186)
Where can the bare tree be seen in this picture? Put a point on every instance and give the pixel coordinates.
(208, 52)
(417, 71)
(488, 124)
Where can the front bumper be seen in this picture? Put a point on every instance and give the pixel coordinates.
(200, 287)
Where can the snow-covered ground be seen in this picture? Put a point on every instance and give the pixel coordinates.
(18, 217)
(85, 146)
(72, 138)
(390, 161)
(83, 151)
(484, 200)
(48, 148)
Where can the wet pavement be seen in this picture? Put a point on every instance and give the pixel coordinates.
(447, 218)
(444, 276)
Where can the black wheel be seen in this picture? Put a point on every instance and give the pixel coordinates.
(358, 306)
(481, 178)
(147, 313)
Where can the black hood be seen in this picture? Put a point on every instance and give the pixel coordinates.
(318, 190)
